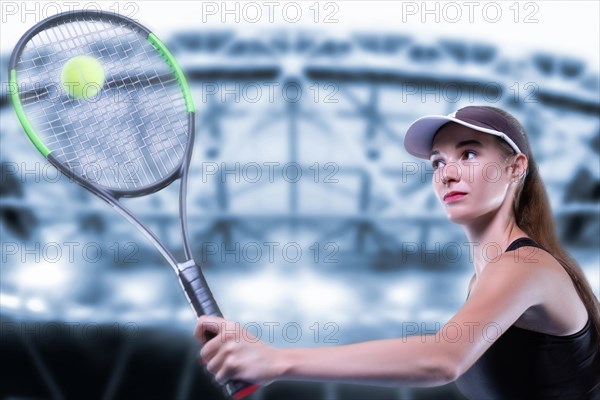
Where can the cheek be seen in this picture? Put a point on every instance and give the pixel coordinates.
(490, 185)
(491, 173)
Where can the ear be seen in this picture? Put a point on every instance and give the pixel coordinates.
(518, 167)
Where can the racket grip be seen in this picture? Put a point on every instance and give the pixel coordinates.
(203, 302)
(197, 290)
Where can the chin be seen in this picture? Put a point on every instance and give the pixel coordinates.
(458, 219)
(466, 216)
(458, 216)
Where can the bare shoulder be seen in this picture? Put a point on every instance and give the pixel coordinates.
(527, 261)
(530, 256)
(539, 265)
(526, 273)
(523, 274)
(540, 277)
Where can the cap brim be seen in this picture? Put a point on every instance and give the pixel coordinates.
(419, 136)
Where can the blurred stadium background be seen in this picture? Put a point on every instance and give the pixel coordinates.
(312, 222)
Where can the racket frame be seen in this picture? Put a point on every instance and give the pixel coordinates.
(189, 273)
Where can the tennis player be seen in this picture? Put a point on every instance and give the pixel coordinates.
(546, 317)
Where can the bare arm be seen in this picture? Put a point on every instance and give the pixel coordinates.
(504, 291)
(412, 361)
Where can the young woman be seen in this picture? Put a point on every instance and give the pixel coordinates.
(545, 316)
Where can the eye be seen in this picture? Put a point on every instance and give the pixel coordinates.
(438, 163)
(469, 155)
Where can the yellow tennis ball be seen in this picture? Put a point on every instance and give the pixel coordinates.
(82, 77)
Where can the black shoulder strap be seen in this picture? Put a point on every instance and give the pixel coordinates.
(521, 242)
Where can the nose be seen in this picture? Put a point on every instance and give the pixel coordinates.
(451, 173)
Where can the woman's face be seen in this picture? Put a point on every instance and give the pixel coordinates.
(472, 177)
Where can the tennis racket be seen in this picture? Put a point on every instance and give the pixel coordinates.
(103, 99)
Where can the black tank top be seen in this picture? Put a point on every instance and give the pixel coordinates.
(524, 364)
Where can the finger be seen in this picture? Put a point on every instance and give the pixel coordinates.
(223, 376)
(210, 349)
(203, 360)
(205, 323)
(225, 366)
(216, 361)
(208, 327)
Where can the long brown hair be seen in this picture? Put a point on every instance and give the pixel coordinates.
(534, 216)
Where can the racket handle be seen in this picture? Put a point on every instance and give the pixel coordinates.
(197, 290)
(238, 390)
(201, 298)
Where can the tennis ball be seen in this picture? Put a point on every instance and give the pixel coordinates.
(82, 77)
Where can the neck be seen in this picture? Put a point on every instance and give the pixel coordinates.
(489, 236)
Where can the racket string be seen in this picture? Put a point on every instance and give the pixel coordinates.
(135, 133)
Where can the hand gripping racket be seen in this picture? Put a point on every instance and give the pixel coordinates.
(102, 98)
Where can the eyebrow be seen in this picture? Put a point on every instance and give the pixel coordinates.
(470, 142)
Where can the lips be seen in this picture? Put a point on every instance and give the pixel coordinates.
(452, 196)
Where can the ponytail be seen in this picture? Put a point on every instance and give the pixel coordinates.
(533, 215)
